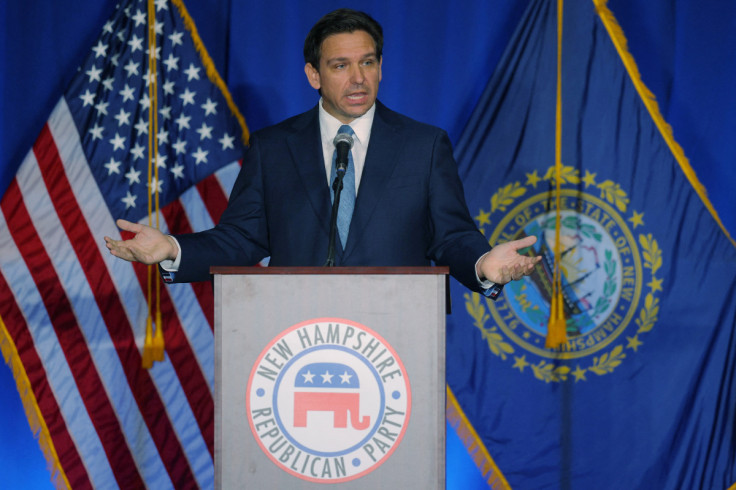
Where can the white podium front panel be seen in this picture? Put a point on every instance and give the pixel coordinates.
(330, 379)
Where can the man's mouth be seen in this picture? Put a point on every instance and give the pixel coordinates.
(357, 97)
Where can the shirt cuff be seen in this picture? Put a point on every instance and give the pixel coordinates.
(171, 267)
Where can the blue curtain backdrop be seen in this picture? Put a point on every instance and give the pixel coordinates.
(438, 58)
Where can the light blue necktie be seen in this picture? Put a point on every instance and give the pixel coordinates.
(347, 197)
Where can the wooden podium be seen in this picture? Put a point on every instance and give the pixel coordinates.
(330, 376)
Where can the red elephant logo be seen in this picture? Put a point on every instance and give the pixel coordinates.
(328, 387)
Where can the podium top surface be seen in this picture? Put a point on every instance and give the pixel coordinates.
(331, 270)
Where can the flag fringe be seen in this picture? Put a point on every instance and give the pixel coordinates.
(33, 412)
(212, 73)
(475, 447)
(619, 41)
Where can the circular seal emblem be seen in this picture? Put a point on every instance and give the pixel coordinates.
(328, 400)
(609, 282)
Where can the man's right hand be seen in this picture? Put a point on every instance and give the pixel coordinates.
(148, 246)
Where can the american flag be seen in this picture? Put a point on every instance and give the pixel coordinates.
(72, 316)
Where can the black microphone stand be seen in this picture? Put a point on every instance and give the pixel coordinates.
(337, 188)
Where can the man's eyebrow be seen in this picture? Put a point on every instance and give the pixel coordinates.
(372, 54)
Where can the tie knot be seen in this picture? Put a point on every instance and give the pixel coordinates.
(345, 129)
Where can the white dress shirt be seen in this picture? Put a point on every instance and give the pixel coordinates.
(328, 126)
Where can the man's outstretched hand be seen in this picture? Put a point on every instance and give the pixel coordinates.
(504, 263)
(148, 246)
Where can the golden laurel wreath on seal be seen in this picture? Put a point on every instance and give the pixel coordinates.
(610, 277)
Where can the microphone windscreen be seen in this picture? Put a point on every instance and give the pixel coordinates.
(343, 138)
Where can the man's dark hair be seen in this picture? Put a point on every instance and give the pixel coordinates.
(336, 22)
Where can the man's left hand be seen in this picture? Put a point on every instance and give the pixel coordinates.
(504, 263)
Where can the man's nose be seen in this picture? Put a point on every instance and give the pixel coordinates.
(356, 75)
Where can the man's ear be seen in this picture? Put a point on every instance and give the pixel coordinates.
(312, 76)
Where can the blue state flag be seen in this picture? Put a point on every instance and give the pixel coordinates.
(643, 392)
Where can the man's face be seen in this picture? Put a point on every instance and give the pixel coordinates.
(348, 75)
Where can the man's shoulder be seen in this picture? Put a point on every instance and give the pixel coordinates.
(392, 124)
(288, 126)
(383, 116)
(402, 121)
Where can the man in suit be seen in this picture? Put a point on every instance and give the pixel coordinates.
(408, 205)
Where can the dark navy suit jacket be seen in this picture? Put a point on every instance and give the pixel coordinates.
(410, 209)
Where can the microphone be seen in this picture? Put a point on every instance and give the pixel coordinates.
(343, 142)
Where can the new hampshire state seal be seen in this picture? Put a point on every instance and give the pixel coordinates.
(609, 266)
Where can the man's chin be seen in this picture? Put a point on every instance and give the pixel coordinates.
(348, 111)
(357, 110)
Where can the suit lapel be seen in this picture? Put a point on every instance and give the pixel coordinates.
(305, 146)
(380, 162)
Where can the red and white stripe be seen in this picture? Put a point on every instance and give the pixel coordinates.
(77, 317)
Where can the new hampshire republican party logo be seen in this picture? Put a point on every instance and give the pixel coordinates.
(328, 400)
(610, 282)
